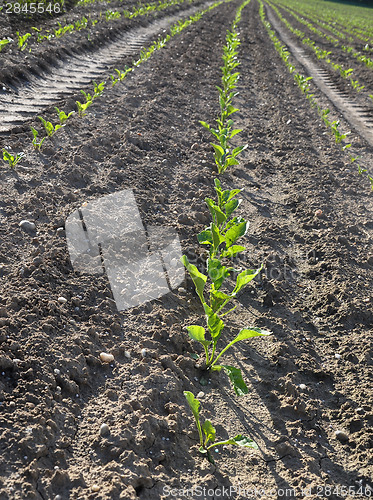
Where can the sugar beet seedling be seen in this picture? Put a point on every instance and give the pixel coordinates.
(206, 428)
(221, 237)
(224, 132)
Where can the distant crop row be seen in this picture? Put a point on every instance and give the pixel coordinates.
(39, 35)
(360, 56)
(348, 22)
(304, 83)
(50, 128)
(325, 55)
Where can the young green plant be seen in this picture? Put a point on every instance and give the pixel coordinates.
(207, 432)
(49, 127)
(11, 159)
(62, 116)
(221, 238)
(35, 141)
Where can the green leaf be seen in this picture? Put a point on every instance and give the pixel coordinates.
(244, 278)
(244, 334)
(233, 250)
(193, 403)
(205, 237)
(235, 232)
(217, 272)
(235, 375)
(229, 194)
(238, 150)
(248, 333)
(204, 124)
(217, 238)
(198, 333)
(240, 440)
(231, 206)
(209, 431)
(214, 323)
(234, 132)
(194, 406)
(217, 299)
(219, 151)
(198, 278)
(217, 215)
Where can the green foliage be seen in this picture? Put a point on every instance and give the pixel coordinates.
(11, 159)
(224, 155)
(221, 237)
(62, 116)
(207, 432)
(49, 127)
(22, 40)
(36, 142)
(3, 42)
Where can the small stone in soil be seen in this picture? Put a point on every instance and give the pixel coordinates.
(95, 488)
(104, 430)
(62, 300)
(106, 358)
(337, 356)
(341, 436)
(27, 226)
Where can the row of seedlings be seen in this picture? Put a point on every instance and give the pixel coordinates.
(321, 54)
(303, 83)
(215, 293)
(13, 158)
(86, 23)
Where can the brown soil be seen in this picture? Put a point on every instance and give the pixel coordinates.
(315, 294)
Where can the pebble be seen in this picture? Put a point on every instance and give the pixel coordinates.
(106, 358)
(337, 356)
(143, 353)
(60, 230)
(95, 488)
(181, 290)
(62, 300)
(27, 226)
(303, 387)
(341, 436)
(318, 213)
(104, 430)
(127, 354)
(200, 395)
(56, 371)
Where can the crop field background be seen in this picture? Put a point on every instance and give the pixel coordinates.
(186, 258)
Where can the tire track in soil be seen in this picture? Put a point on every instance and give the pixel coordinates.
(360, 118)
(72, 73)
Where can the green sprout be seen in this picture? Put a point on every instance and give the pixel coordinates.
(207, 432)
